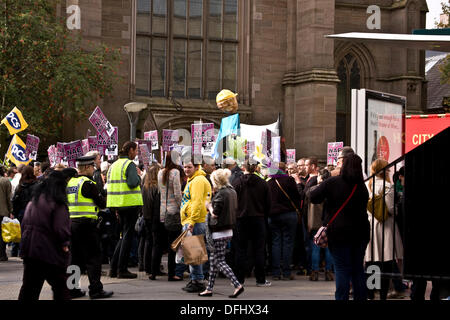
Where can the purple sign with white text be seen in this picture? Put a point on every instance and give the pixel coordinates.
(72, 151)
(32, 147)
(101, 124)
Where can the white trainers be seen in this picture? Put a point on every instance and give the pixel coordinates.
(265, 284)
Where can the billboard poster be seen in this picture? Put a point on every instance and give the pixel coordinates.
(153, 137)
(290, 155)
(384, 131)
(333, 150)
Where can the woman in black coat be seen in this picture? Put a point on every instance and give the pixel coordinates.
(45, 239)
(348, 235)
(221, 219)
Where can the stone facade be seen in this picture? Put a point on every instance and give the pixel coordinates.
(285, 65)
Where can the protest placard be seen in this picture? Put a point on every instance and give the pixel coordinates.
(92, 143)
(60, 152)
(146, 156)
(147, 143)
(276, 145)
(109, 146)
(250, 148)
(290, 155)
(51, 151)
(72, 151)
(333, 152)
(153, 137)
(170, 137)
(101, 124)
(85, 145)
(32, 146)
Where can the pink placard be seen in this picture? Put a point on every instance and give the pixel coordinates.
(101, 124)
(290, 155)
(32, 146)
(333, 152)
(72, 151)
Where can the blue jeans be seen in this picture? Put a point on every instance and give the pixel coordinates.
(196, 272)
(315, 257)
(349, 267)
(283, 228)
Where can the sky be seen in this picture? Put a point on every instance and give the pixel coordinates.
(435, 10)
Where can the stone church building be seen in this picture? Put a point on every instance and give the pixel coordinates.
(178, 54)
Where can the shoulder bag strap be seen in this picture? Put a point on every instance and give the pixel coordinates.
(343, 205)
(295, 207)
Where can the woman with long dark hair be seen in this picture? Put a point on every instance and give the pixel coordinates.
(167, 226)
(45, 239)
(348, 235)
(23, 192)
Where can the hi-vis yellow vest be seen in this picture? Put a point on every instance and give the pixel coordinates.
(119, 194)
(79, 206)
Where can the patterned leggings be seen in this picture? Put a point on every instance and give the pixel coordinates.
(217, 263)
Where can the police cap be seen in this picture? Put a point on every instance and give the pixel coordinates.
(85, 160)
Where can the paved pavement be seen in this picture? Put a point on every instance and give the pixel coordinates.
(144, 289)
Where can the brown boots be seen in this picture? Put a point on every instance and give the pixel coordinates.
(329, 276)
(314, 276)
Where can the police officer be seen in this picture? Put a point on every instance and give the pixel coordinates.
(84, 202)
(125, 198)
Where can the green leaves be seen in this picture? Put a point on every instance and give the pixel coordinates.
(46, 70)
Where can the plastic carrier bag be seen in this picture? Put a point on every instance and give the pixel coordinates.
(10, 230)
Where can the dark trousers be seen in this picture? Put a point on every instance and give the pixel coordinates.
(419, 287)
(86, 250)
(250, 229)
(162, 239)
(146, 247)
(349, 267)
(2, 245)
(35, 272)
(128, 218)
(385, 267)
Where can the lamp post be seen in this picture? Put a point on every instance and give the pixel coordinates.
(133, 109)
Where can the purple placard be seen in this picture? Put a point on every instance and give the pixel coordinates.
(147, 143)
(196, 140)
(72, 151)
(92, 143)
(101, 124)
(32, 146)
(275, 145)
(85, 145)
(170, 137)
(333, 152)
(51, 151)
(146, 156)
(109, 146)
(290, 155)
(250, 148)
(59, 152)
(208, 139)
(153, 137)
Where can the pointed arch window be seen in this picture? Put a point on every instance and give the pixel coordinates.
(349, 72)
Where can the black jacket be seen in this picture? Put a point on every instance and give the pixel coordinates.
(45, 230)
(351, 226)
(224, 203)
(254, 199)
(21, 198)
(152, 203)
(281, 203)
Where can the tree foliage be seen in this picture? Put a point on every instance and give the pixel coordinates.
(445, 68)
(45, 70)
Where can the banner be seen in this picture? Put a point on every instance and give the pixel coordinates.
(109, 146)
(32, 147)
(420, 128)
(153, 137)
(290, 156)
(333, 152)
(16, 152)
(101, 124)
(236, 148)
(229, 125)
(170, 137)
(72, 151)
(14, 121)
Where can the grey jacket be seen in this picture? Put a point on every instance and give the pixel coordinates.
(5, 197)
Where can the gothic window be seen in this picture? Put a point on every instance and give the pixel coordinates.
(186, 48)
(350, 75)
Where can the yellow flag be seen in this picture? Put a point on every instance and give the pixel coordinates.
(16, 152)
(14, 121)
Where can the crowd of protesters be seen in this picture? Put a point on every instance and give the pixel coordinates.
(255, 221)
